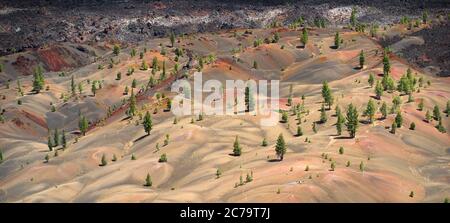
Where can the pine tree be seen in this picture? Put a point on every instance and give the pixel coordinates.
(440, 127)
(73, 86)
(299, 131)
(1, 156)
(94, 88)
(132, 109)
(56, 138)
(361, 166)
(314, 127)
(370, 110)
(46, 158)
(393, 127)
(436, 113)
(38, 79)
(428, 116)
(163, 158)
(326, 94)
(255, 65)
(144, 66)
(284, 116)
(103, 161)
(83, 125)
(383, 110)
(280, 147)
(353, 21)
(340, 120)
(352, 120)
(379, 90)
(361, 59)
(218, 173)
(304, 37)
(323, 114)
(148, 181)
(80, 88)
(264, 142)
(172, 39)
(116, 49)
(63, 139)
(147, 123)
(386, 64)
(237, 150)
(412, 126)
(425, 17)
(371, 80)
(399, 119)
(337, 40)
(50, 143)
(332, 166)
(134, 83)
(421, 105)
(341, 150)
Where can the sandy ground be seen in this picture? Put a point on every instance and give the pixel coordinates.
(395, 165)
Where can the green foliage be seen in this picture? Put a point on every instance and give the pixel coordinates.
(144, 65)
(393, 127)
(337, 40)
(379, 90)
(147, 123)
(362, 59)
(428, 116)
(237, 150)
(440, 127)
(436, 113)
(323, 114)
(352, 120)
(264, 142)
(148, 181)
(370, 110)
(50, 143)
(371, 80)
(361, 166)
(353, 21)
(103, 161)
(83, 125)
(163, 158)
(172, 39)
(255, 65)
(132, 110)
(284, 116)
(280, 147)
(299, 131)
(327, 95)
(421, 105)
(38, 79)
(399, 119)
(218, 173)
(304, 37)
(341, 150)
(412, 126)
(386, 64)
(116, 49)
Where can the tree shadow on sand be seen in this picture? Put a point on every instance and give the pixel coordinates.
(140, 138)
(343, 137)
